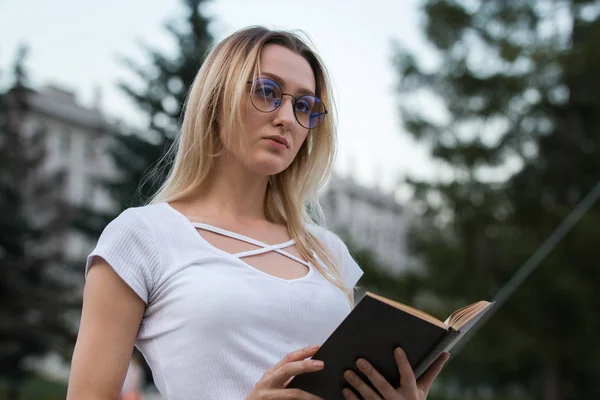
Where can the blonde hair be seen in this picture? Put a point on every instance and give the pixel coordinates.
(215, 103)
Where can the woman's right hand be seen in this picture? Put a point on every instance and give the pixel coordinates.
(273, 383)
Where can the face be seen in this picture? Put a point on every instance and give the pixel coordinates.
(273, 138)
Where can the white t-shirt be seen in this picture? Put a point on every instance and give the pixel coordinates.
(213, 324)
(133, 379)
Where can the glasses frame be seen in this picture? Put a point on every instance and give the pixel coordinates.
(294, 100)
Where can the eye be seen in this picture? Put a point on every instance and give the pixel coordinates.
(305, 104)
(265, 90)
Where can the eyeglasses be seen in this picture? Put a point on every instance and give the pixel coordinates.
(266, 96)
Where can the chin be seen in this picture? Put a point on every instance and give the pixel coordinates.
(269, 165)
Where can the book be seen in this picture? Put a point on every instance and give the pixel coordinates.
(374, 328)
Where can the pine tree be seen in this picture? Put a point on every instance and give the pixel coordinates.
(159, 93)
(166, 84)
(34, 296)
(519, 133)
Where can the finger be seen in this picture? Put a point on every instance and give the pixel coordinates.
(296, 356)
(362, 388)
(426, 380)
(349, 394)
(293, 356)
(407, 376)
(380, 383)
(280, 377)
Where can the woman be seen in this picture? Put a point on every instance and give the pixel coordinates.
(223, 282)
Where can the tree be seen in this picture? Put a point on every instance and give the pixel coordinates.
(34, 297)
(166, 83)
(160, 94)
(518, 130)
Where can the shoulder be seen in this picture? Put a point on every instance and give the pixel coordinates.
(148, 217)
(329, 239)
(150, 213)
(137, 231)
(131, 246)
(134, 227)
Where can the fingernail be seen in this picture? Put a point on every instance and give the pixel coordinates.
(316, 346)
(318, 364)
(349, 375)
(399, 352)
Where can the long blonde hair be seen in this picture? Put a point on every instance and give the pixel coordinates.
(215, 102)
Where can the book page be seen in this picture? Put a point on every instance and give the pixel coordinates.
(461, 317)
(467, 324)
(417, 313)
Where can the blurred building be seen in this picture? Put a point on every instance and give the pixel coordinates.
(77, 139)
(370, 218)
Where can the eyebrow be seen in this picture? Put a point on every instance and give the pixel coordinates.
(281, 81)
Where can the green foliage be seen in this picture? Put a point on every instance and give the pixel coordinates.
(159, 91)
(164, 85)
(38, 388)
(517, 91)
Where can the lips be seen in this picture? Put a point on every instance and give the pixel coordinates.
(279, 139)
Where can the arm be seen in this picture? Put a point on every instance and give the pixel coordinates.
(110, 320)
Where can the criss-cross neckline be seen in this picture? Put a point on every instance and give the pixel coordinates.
(264, 247)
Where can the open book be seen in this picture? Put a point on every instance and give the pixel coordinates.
(373, 329)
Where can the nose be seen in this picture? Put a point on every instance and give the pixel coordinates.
(284, 114)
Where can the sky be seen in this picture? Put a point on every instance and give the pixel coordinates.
(76, 45)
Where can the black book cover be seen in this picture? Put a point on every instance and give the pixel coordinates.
(373, 330)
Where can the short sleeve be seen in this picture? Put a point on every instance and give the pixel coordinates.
(351, 272)
(129, 247)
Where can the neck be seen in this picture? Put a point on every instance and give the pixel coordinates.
(231, 191)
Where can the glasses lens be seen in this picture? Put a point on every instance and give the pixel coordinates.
(310, 111)
(265, 95)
